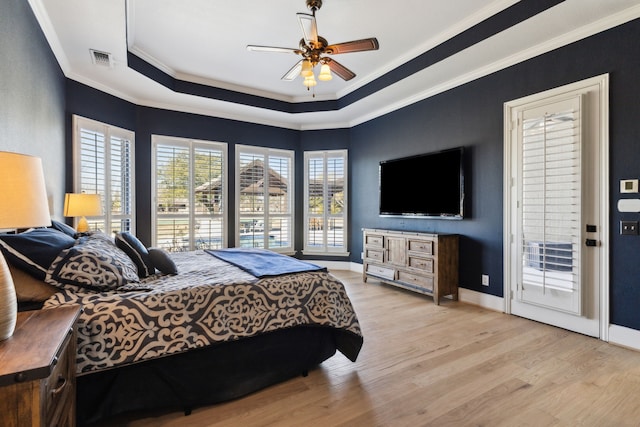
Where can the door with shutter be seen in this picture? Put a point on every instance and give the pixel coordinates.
(555, 224)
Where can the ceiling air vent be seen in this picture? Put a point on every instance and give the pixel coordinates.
(101, 58)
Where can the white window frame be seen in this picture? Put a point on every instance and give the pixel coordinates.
(326, 216)
(191, 145)
(109, 132)
(266, 215)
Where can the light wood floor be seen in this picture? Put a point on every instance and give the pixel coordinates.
(448, 365)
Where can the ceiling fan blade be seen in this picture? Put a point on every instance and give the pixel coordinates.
(309, 27)
(293, 72)
(340, 70)
(353, 46)
(255, 48)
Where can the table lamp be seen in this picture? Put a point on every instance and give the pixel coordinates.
(82, 204)
(23, 204)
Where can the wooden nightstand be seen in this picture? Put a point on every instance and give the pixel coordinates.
(37, 369)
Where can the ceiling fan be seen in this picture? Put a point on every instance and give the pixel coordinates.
(313, 49)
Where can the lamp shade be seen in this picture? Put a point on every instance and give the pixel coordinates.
(82, 204)
(23, 204)
(23, 196)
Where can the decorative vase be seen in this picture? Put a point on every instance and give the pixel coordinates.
(8, 301)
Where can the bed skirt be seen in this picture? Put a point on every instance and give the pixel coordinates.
(196, 378)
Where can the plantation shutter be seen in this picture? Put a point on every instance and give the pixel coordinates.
(121, 184)
(171, 196)
(210, 197)
(280, 206)
(264, 198)
(106, 167)
(190, 194)
(335, 191)
(325, 201)
(551, 224)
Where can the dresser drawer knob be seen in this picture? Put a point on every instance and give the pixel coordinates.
(20, 377)
(62, 382)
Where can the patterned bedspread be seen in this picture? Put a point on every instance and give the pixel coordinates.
(207, 302)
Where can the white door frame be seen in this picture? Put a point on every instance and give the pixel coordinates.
(510, 257)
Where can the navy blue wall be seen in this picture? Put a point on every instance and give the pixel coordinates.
(32, 97)
(470, 116)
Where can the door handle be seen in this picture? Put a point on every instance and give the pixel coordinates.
(591, 242)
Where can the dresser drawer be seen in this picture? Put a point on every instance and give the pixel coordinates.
(424, 246)
(376, 270)
(59, 388)
(374, 240)
(425, 264)
(425, 282)
(375, 255)
(37, 369)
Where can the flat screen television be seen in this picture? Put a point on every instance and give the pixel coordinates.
(427, 186)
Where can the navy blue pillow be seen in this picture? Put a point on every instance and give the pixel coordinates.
(137, 252)
(33, 251)
(66, 229)
(163, 261)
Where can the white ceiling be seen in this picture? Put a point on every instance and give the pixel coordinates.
(204, 41)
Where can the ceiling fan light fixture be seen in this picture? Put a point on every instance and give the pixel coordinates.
(310, 81)
(313, 48)
(307, 68)
(325, 73)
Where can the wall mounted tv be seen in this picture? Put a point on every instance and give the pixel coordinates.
(426, 186)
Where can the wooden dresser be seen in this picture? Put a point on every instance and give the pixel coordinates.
(37, 369)
(422, 262)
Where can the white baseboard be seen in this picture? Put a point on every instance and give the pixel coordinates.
(490, 302)
(624, 337)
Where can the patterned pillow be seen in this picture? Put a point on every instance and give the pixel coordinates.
(137, 252)
(33, 251)
(94, 263)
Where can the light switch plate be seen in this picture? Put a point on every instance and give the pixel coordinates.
(628, 185)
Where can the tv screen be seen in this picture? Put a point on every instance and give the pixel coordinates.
(429, 185)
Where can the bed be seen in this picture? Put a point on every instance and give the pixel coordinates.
(178, 331)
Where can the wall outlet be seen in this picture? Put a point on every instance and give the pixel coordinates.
(629, 227)
(485, 280)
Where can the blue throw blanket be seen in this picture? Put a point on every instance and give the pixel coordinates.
(263, 263)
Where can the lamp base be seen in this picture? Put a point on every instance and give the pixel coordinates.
(8, 301)
(83, 225)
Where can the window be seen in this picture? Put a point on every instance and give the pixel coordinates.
(189, 194)
(325, 202)
(264, 198)
(103, 164)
